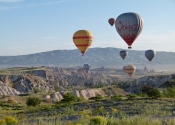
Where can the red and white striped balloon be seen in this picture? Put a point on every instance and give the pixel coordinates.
(129, 26)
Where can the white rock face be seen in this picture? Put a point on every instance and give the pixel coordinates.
(5, 90)
(86, 94)
(56, 97)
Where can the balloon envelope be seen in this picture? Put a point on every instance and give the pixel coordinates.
(123, 54)
(86, 67)
(83, 40)
(150, 54)
(130, 69)
(129, 26)
(111, 21)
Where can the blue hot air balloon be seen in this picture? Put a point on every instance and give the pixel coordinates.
(86, 67)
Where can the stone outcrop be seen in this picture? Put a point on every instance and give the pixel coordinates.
(6, 90)
(25, 83)
(153, 81)
(72, 77)
(56, 97)
(86, 94)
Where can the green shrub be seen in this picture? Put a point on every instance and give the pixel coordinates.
(9, 101)
(169, 92)
(80, 99)
(2, 122)
(100, 110)
(98, 120)
(33, 101)
(96, 98)
(151, 92)
(8, 121)
(68, 98)
(154, 93)
(131, 96)
(116, 97)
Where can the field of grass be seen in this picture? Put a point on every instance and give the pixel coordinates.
(19, 70)
(136, 111)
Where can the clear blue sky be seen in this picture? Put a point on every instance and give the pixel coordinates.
(31, 26)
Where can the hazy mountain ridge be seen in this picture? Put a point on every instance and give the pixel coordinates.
(97, 57)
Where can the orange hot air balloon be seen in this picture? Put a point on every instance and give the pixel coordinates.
(111, 21)
(130, 69)
(83, 40)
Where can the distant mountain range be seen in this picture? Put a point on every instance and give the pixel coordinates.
(96, 57)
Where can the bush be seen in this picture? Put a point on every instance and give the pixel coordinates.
(69, 98)
(131, 96)
(33, 101)
(169, 92)
(8, 121)
(96, 98)
(80, 99)
(9, 101)
(100, 110)
(151, 92)
(116, 97)
(98, 120)
(154, 93)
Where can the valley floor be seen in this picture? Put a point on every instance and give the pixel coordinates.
(136, 111)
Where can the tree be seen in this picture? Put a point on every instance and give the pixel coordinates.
(33, 101)
(69, 98)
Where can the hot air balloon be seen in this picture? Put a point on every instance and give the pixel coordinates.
(130, 69)
(86, 67)
(83, 40)
(123, 54)
(129, 26)
(111, 21)
(150, 54)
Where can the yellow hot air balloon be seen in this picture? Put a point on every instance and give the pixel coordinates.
(83, 40)
(130, 69)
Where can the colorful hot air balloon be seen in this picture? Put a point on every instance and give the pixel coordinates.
(111, 21)
(130, 69)
(150, 54)
(129, 26)
(86, 67)
(83, 40)
(123, 54)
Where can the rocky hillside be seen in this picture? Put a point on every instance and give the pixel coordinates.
(88, 93)
(68, 77)
(24, 84)
(153, 81)
(97, 57)
(51, 78)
